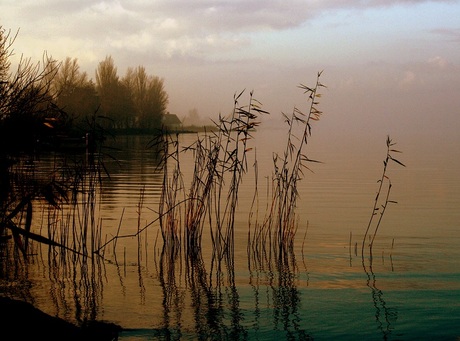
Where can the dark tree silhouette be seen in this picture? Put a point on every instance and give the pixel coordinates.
(27, 110)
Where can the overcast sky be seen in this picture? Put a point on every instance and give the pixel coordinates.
(389, 65)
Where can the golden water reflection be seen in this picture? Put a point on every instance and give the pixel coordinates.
(321, 287)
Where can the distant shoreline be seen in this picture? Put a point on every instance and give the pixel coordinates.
(147, 131)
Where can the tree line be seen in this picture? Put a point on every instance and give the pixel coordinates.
(38, 99)
(137, 100)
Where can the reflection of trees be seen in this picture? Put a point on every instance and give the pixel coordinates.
(384, 316)
(129, 160)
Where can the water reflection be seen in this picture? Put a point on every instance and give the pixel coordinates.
(385, 316)
(74, 283)
(251, 292)
(211, 294)
(280, 273)
(173, 297)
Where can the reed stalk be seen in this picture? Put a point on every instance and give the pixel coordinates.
(383, 190)
(280, 223)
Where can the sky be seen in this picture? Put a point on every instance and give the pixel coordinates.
(390, 66)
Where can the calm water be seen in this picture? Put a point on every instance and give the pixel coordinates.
(410, 290)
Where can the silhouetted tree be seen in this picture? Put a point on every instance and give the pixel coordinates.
(114, 97)
(136, 81)
(27, 110)
(76, 94)
(148, 96)
(128, 83)
(157, 101)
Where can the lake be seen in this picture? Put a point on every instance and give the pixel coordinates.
(325, 289)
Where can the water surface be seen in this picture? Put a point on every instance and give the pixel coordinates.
(409, 291)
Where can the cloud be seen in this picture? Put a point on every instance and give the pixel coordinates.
(177, 18)
(364, 4)
(228, 15)
(202, 31)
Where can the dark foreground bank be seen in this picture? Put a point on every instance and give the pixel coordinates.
(22, 321)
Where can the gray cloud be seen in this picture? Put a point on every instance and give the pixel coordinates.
(191, 18)
(168, 28)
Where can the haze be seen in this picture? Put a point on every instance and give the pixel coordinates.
(391, 67)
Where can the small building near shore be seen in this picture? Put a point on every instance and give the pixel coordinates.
(171, 122)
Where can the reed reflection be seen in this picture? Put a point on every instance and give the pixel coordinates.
(76, 227)
(211, 293)
(14, 272)
(206, 300)
(279, 272)
(385, 316)
(51, 208)
(173, 302)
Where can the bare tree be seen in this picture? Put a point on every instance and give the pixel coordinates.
(136, 81)
(27, 110)
(115, 98)
(148, 95)
(69, 76)
(75, 92)
(158, 101)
